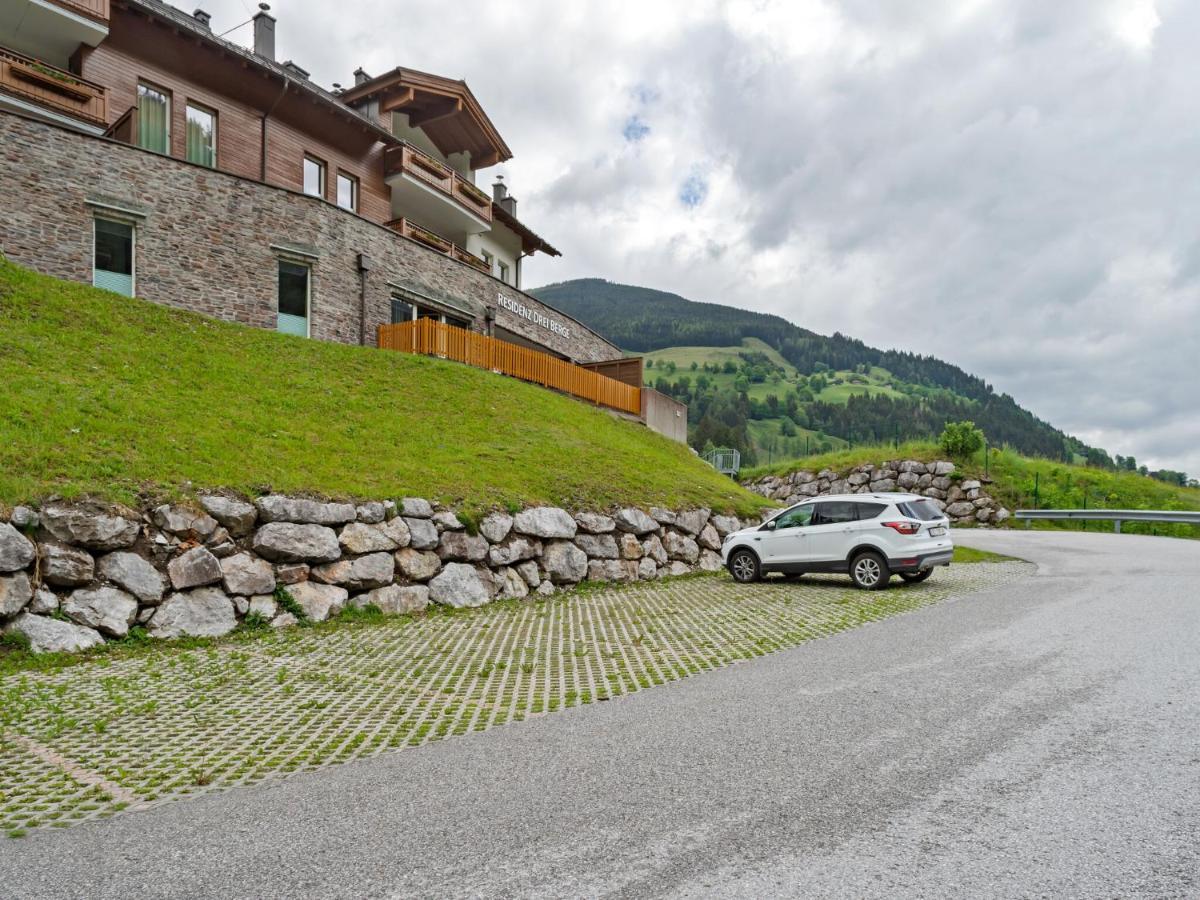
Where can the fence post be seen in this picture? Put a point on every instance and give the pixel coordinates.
(1117, 526)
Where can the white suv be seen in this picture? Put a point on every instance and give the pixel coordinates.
(869, 536)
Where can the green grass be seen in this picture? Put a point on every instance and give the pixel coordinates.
(1021, 482)
(877, 383)
(771, 444)
(971, 555)
(118, 398)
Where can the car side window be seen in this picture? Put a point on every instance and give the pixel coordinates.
(868, 511)
(835, 513)
(795, 518)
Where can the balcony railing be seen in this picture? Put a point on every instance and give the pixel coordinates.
(408, 160)
(28, 78)
(435, 339)
(436, 242)
(93, 9)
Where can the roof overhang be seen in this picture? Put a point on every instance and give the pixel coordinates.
(531, 242)
(444, 108)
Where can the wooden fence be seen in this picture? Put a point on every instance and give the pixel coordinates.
(435, 339)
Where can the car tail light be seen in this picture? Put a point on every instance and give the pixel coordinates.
(903, 527)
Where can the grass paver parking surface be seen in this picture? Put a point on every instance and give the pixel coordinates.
(121, 732)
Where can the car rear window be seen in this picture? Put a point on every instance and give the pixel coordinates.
(869, 510)
(925, 510)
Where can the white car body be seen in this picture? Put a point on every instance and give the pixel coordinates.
(903, 534)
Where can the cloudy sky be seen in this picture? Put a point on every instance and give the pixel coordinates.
(1010, 185)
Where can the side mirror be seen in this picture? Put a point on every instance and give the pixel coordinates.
(770, 526)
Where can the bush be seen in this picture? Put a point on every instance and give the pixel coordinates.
(961, 439)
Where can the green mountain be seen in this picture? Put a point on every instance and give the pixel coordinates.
(771, 388)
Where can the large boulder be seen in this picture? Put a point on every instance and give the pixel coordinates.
(564, 562)
(620, 570)
(264, 606)
(594, 523)
(93, 529)
(237, 516)
(44, 602)
(692, 521)
(599, 546)
(496, 526)
(681, 547)
(961, 509)
(319, 601)
(277, 508)
(631, 547)
(183, 522)
(423, 534)
(726, 524)
(513, 549)
(195, 568)
(663, 516)
(459, 585)
(883, 485)
(371, 512)
(908, 480)
(107, 609)
(247, 575)
(375, 570)
(15, 592)
(512, 585)
(710, 561)
(416, 508)
(47, 635)
(205, 612)
(134, 574)
(24, 517)
(709, 539)
(16, 550)
(446, 520)
(653, 549)
(529, 571)
(647, 569)
(395, 598)
(64, 566)
(286, 542)
(462, 547)
(359, 537)
(943, 468)
(417, 565)
(545, 522)
(634, 521)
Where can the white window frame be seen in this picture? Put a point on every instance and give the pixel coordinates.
(323, 169)
(503, 270)
(354, 190)
(188, 104)
(305, 264)
(133, 246)
(143, 83)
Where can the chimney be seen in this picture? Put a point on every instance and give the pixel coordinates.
(296, 70)
(264, 32)
(360, 77)
(202, 18)
(500, 195)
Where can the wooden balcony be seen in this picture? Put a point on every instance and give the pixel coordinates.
(29, 79)
(408, 160)
(92, 9)
(413, 231)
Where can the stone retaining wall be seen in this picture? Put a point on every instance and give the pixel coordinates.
(965, 501)
(75, 575)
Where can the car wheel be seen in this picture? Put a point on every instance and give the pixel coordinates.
(743, 566)
(916, 577)
(869, 571)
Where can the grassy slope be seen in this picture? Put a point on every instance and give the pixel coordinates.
(1059, 486)
(108, 396)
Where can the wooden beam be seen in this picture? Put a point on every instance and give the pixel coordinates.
(435, 113)
(397, 100)
(484, 160)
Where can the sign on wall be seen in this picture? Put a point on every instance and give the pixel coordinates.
(537, 317)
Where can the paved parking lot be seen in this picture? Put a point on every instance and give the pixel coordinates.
(110, 735)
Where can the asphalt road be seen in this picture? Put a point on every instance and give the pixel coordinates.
(1038, 740)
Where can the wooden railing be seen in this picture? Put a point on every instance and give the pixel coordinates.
(93, 9)
(435, 339)
(408, 159)
(26, 77)
(433, 241)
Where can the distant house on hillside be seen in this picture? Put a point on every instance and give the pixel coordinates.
(148, 155)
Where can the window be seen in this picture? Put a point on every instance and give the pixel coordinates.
(489, 259)
(401, 311)
(347, 192)
(201, 136)
(293, 298)
(425, 313)
(835, 513)
(868, 511)
(795, 518)
(154, 118)
(314, 177)
(504, 273)
(925, 510)
(112, 259)
(457, 323)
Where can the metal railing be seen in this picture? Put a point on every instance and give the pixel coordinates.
(1116, 516)
(726, 460)
(449, 342)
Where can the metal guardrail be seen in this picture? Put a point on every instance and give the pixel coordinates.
(1116, 516)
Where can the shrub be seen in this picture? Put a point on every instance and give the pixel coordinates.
(961, 439)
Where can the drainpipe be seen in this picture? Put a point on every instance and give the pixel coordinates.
(263, 157)
(364, 266)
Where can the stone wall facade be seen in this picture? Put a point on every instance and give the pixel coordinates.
(965, 501)
(73, 576)
(210, 241)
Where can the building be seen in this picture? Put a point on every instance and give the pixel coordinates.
(142, 152)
